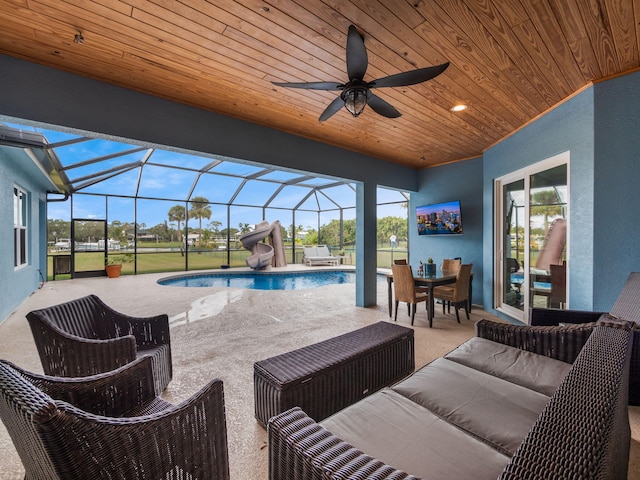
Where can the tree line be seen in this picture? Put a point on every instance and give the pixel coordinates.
(173, 229)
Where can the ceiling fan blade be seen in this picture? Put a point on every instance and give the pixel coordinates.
(312, 85)
(333, 107)
(409, 78)
(382, 107)
(357, 59)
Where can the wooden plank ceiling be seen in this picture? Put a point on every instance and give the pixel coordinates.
(510, 60)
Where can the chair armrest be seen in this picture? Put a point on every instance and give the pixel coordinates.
(583, 431)
(552, 316)
(152, 336)
(300, 449)
(190, 438)
(66, 355)
(556, 316)
(112, 394)
(562, 343)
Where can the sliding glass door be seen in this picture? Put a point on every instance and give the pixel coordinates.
(531, 238)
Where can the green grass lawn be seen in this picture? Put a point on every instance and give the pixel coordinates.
(154, 262)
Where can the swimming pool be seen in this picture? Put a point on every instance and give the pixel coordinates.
(262, 280)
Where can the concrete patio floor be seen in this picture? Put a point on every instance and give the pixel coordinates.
(221, 332)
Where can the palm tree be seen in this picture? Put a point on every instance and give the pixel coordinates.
(244, 227)
(177, 214)
(547, 204)
(200, 209)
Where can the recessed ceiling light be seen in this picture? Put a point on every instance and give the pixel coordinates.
(458, 108)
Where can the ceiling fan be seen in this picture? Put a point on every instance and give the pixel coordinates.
(356, 93)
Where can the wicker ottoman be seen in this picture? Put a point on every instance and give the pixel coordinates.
(325, 377)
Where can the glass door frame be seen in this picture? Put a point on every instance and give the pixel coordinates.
(500, 267)
(99, 250)
(499, 242)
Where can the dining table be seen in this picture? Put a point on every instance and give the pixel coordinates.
(430, 282)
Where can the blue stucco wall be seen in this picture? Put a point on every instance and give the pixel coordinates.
(617, 173)
(569, 127)
(600, 129)
(457, 181)
(16, 285)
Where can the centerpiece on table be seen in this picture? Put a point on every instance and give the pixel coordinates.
(430, 268)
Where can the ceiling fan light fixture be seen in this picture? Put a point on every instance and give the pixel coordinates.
(356, 93)
(355, 99)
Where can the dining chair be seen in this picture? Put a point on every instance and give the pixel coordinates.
(403, 261)
(405, 289)
(558, 296)
(457, 293)
(512, 265)
(450, 265)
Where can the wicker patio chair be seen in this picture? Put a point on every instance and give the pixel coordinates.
(112, 425)
(85, 336)
(405, 290)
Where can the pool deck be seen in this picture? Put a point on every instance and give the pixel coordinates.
(221, 332)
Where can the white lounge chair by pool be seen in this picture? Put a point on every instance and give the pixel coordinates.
(319, 255)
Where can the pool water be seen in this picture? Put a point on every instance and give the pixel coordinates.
(262, 280)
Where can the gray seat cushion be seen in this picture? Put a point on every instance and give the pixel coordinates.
(499, 412)
(405, 435)
(536, 372)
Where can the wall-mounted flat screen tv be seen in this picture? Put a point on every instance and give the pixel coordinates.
(439, 219)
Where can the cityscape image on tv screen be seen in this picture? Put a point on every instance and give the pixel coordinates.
(439, 218)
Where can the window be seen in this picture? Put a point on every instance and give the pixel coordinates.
(19, 227)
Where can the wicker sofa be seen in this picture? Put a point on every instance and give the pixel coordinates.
(512, 402)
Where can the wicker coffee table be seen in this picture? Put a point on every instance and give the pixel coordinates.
(327, 376)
